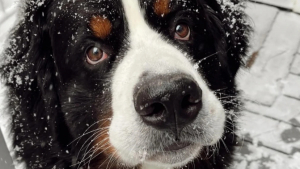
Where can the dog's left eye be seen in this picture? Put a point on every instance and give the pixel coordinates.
(182, 32)
(95, 55)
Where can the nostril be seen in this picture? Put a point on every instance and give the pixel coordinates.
(190, 100)
(154, 115)
(191, 103)
(187, 102)
(155, 109)
(158, 109)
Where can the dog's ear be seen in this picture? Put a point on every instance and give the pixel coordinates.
(236, 30)
(28, 59)
(30, 76)
(233, 36)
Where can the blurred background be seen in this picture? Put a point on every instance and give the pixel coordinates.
(270, 125)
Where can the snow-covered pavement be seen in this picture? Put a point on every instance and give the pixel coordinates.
(286, 4)
(7, 19)
(270, 125)
(271, 121)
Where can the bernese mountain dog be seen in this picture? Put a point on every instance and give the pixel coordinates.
(112, 84)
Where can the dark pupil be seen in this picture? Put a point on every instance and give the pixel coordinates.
(95, 51)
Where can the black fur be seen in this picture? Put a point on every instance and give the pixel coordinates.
(54, 96)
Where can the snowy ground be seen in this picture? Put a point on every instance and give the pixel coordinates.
(270, 126)
(271, 121)
(7, 18)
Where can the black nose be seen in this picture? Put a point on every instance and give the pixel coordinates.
(168, 102)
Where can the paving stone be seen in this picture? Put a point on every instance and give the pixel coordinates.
(261, 19)
(256, 157)
(292, 86)
(270, 133)
(273, 61)
(5, 27)
(5, 158)
(281, 45)
(297, 6)
(288, 4)
(258, 87)
(296, 65)
(6, 4)
(253, 125)
(285, 109)
(7, 21)
(286, 138)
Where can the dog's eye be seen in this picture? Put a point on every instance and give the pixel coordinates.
(182, 32)
(95, 55)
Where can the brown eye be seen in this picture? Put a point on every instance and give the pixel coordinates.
(95, 55)
(182, 32)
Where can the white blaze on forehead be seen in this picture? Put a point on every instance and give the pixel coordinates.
(134, 14)
(147, 47)
(139, 29)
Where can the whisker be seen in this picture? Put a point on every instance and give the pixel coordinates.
(91, 149)
(87, 130)
(91, 140)
(86, 157)
(200, 61)
(84, 133)
(218, 90)
(226, 148)
(96, 137)
(196, 65)
(99, 153)
(111, 157)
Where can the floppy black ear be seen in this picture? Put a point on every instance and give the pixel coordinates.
(30, 75)
(235, 31)
(238, 31)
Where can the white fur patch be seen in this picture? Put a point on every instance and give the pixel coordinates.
(148, 52)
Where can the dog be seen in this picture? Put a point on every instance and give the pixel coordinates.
(142, 84)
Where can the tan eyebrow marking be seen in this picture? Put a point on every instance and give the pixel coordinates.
(100, 26)
(162, 7)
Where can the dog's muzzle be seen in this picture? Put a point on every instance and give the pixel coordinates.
(168, 102)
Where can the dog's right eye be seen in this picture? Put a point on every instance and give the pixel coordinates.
(95, 55)
(182, 32)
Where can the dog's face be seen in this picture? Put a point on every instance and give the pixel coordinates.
(135, 63)
(141, 76)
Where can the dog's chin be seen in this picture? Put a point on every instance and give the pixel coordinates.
(176, 155)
